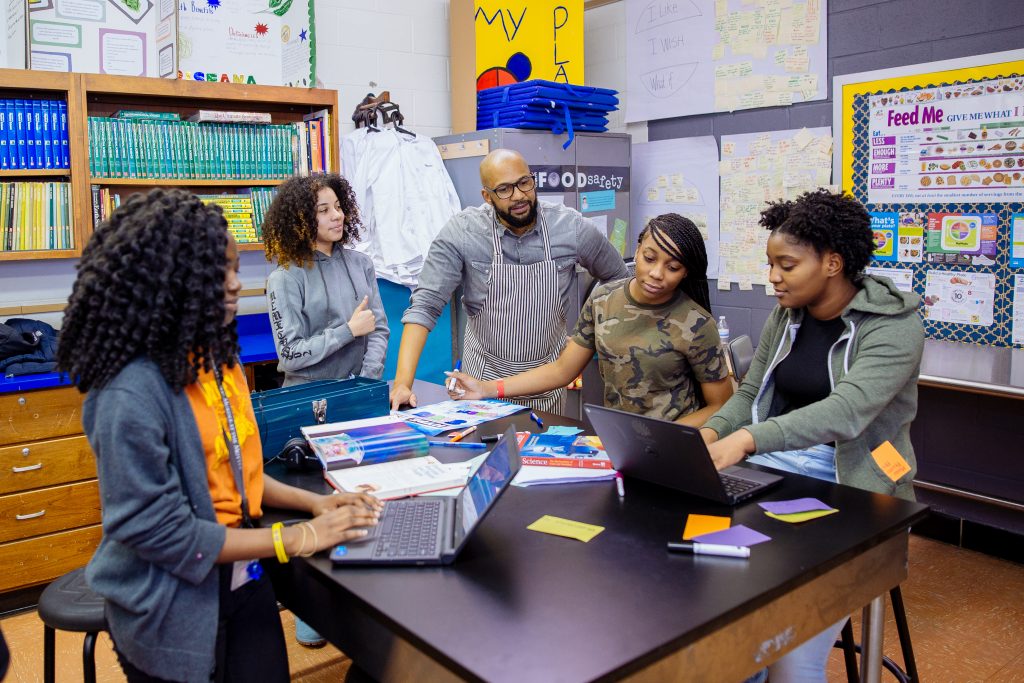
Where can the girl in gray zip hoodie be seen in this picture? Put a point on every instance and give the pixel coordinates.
(835, 372)
(325, 309)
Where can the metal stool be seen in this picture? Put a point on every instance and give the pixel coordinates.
(68, 604)
(851, 649)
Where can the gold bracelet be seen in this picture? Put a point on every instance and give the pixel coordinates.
(316, 539)
(275, 532)
(302, 544)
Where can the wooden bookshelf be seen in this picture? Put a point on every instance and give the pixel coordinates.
(101, 95)
(186, 182)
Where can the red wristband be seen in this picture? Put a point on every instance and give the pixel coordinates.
(501, 387)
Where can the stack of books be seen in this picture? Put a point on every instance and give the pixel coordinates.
(312, 143)
(35, 216)
(238, 213)
(34, 134)
(103, 204)
(262, 197)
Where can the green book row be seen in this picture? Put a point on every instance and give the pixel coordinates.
(139, 148)
(35, 216)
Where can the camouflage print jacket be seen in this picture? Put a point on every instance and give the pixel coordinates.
(651, 358)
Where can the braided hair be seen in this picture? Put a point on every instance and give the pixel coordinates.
(290, 226)
(826, 222)
(150, 283)
(678, 237)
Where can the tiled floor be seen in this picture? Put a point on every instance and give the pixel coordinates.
(966, 613)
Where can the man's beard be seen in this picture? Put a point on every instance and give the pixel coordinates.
(524, 222)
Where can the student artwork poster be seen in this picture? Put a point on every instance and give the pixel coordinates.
(679, 176)
(724, 55)
(117, 37)
(956, 143)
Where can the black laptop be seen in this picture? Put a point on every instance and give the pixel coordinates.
(672, 455)
(430, 529)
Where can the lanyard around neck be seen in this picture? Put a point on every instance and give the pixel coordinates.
(235, 449)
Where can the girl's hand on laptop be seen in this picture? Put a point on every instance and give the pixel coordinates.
(709, 435)
(346, 523)
(333, 501)
(732, 449)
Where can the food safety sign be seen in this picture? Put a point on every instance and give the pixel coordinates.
(957, 143)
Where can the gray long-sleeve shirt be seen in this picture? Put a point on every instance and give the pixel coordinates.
(309, 312)
(462, 253)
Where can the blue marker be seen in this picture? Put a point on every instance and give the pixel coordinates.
(533, 416)
(457, 444)
(451, 380)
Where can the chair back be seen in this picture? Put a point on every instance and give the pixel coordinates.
(741, 354)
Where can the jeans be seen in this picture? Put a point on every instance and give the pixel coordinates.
(806, 663)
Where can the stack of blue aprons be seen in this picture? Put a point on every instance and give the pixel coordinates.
(546, 105)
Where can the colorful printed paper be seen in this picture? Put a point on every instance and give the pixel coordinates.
(902, 278)
(958, 296)
(883, 229)
(957, 143)
(446, 415)
(557, 526)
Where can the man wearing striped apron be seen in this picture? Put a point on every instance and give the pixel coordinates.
(515, 258)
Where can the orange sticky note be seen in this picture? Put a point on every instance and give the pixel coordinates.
(704, 524)
(889, 459)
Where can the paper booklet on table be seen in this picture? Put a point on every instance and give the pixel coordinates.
(440, 417)
(365, 442)
(561, 459)
(400, 478)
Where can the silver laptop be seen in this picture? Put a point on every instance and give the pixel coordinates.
(672, 455)
(433, 530)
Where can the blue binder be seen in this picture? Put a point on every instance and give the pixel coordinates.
(37, 131)
(45, 136)
(65, 152)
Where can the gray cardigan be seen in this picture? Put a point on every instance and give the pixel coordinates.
(873, 369)
(156, 563)
(309, 311)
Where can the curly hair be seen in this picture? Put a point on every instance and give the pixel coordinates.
(289, 228)
(826, 222)
(679, 238)
(150, 283)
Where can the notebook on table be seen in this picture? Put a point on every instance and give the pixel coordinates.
(672, 455)
(433, 530)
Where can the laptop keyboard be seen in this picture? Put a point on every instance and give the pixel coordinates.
(735, 486)
(408, 528)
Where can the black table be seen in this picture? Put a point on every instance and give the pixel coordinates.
(524, 606)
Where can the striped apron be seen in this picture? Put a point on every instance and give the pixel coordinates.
(521, 324)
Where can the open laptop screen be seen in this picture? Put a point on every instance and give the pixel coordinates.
(493, 475)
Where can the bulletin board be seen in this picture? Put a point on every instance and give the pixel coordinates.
(938, 147)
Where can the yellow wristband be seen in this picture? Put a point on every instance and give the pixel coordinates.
(275, 531)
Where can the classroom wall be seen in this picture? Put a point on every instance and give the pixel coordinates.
(863, 35)
(396, 45)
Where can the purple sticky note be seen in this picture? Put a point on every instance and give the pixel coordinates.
(736, 535)
(789, 507)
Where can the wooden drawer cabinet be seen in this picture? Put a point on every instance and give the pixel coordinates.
(43, 511)
(32, 415)
(45, 558)
(49, 497)
(45, 463)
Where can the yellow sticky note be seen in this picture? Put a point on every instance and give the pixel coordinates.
(797, 517)
(889, 459)
(704, 524)
(556, 526)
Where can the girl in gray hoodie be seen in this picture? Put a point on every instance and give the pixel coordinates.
(325, 309)
(835, 372)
